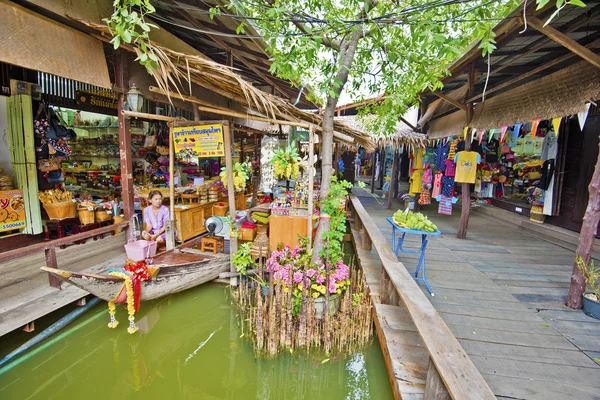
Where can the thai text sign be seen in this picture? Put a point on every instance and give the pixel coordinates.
(200, 141)
(12, 210)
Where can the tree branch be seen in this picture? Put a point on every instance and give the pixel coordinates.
(333, 44)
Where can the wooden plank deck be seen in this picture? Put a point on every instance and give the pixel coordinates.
(24, 291)
(502, 293)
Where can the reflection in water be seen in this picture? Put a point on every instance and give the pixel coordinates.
(189, 348)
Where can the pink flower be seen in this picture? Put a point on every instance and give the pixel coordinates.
(311, 273)
(332, 287)
(320, 279)
(298, 277)
(295, 252)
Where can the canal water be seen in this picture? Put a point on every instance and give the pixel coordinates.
(188, 347)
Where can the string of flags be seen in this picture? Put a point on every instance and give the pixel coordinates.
(556, 122)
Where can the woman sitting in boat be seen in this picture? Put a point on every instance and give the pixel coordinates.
(155, 217)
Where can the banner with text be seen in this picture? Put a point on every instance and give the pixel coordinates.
(12, 210)
(199, 141)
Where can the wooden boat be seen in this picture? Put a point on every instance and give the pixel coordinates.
(179, 270)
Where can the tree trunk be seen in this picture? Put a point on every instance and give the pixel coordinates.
(346, 58)
(586, 237)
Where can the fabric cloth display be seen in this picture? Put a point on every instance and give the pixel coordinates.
(452, 151)
(424, 198)
(547, 174)
(466, 166)
(447, 186)
(445, 206)
(418, 158)
(549, 146)
(491, 151)
(430, 156)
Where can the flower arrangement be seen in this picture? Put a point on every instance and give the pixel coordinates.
(240, 176)
(292, 269)
(287, 163)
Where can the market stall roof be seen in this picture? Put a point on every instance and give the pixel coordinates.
(216, 37)
(72, 54)
(176, 68)
(522, 56)
(403, 136)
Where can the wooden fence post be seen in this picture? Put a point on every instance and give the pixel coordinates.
(51, 263)
(365, 239)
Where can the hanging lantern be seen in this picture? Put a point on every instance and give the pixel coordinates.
(135, 99)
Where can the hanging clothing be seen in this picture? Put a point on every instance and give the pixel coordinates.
(416, 182)
(550, 146)
(450, 168)
(447, 186)
(424, 198)
(418, 158)
(430, 156)
(445, 206)
(437, 185)
(547, 174)
(466, 166)
(426, 177)
(452, 151)
(491, 151)
(441, 155)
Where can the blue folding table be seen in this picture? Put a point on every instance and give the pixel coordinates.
(397, 247)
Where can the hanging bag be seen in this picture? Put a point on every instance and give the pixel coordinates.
(58, 131)
(50, 164)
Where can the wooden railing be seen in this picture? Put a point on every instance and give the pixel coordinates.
(50, 246)
(451, 373)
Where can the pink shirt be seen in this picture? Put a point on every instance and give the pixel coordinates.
(450, 168)
(437, 185)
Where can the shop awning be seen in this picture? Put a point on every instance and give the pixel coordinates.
(35, 42)
(441, 106)
(560, 94)
(404, 135)
(448, 125)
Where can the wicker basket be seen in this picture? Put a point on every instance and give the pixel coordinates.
(86, 216)
(117, 219)
(102, 216)
(220, 209)
(65, 209)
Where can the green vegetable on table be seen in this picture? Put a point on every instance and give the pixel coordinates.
(415, 221)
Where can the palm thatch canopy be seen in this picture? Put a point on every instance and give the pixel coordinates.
(175, 69)
(404, 135)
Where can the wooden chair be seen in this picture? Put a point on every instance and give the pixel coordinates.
(213, 243)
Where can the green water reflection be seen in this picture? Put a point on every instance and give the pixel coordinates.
(189, 348)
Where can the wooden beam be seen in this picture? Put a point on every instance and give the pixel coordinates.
(392, 182)
(434, 385)
(147, 116)
(565, 41)
(51, 263)
(409, 124)
(311, 178)
(450, 100)
(170, 224)
(233, 245)
(534, 71)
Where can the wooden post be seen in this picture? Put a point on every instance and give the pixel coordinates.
(387, 291)
(338, 154)
(383, 171)
(311, 178)
(466, 187)
(376, 154)
(365, 239)
(125, 156)
(233, 247)
(51, 263)
(586, 237)
(394, 173)
(169, 223)
(434, 385)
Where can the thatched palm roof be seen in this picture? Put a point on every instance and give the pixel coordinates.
(404, 135)
(176, 68)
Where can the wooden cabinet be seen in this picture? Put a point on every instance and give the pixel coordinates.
(189, 220)
(285, 229)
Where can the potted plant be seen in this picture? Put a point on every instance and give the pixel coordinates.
(591, 298)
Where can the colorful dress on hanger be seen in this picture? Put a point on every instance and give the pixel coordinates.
(437, 185)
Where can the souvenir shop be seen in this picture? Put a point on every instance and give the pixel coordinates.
(524, 168)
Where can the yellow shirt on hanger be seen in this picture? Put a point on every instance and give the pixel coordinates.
(418, 158)
(466, 166)
(416, 180)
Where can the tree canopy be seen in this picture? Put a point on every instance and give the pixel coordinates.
(403, 47)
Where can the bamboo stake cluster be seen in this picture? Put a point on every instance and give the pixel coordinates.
(273, 328)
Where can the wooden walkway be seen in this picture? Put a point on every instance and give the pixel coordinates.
(502, 294)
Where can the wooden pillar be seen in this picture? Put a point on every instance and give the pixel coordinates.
(586, 237)
(338, 154)
(383, 171)
(387, 291)
(126, 158)
(311, 178)
(394, 173)
(466, 187)
(434, 385)
(376, 154)
(233, 245)
(170, 224)
(365, 239)
(51, 263)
